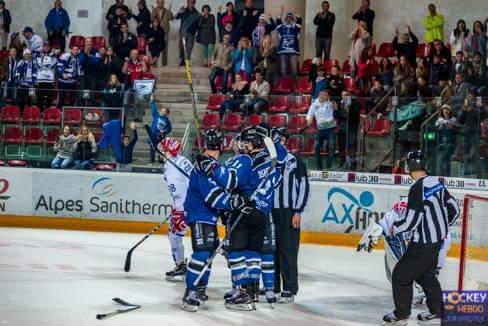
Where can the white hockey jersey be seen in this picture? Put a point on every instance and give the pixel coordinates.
(177, 181)
(46, 67)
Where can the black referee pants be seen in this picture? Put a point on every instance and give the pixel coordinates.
(286, 256)
(418, 264)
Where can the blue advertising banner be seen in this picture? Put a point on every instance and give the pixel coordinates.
(465, 308)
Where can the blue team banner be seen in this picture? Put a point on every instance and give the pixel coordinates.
(465, 308)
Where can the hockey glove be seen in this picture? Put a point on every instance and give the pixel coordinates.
(206, 164)
(240, 202)
(370, 238)
(177, 221)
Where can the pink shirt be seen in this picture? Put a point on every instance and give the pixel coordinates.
(226, 18)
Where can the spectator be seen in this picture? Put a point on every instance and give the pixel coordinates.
(460, 65)
(267, 58)
(114, 63)
(460, 91)
(478, 40)
(102, 72)
(445, 126)
(230, 16)
(160, 126)
(164, 16)
(90, 59)
(86, 147)
(261, 30)
(143, 19)
(348, 115)
(189, 17)
(324, 21)
(240, 88)
(335, 82)
(289, 48)
(317, 76)
(125, 42)
(133, 69)
(470, 119)
(222, 62)
(206, 34)
(9, 74)
(442, 51)
(26, 77)
(386, 73)
(404, 76)
(479, 69)
(438, 70)
(365, 14)
(114, 25)
(248, 20)
(444, 91)
(70, 72)
(5, 21)
(408, 47)
(34, 41)
(118, 5)
(424, 91)
(127, 149)
(460, 38)
(367, 68)
(15, 43)
(244, 58)
(259, 91)
(434, 25)
(156, 41)
(65, 148)
(113, 96)
(322, 111)
(423, 69)
(360, 39)
(57, 25)
(46, 71)
(377, 94)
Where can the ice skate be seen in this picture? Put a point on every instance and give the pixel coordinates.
(240, 301)
(270, 297)
(229, 294)
(427, 318)
(391, 319)
(286, 297)
(178, 274)
(190, 301)
(201, 294)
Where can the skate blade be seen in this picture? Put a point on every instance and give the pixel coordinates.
(396, 323)
(240, 307)
(286, 301)
(189, 308)
(176, 279)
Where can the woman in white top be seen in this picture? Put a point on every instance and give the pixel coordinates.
(360, 39)
(460, 39)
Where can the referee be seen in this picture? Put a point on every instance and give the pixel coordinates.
(430, 212)
(290, 200)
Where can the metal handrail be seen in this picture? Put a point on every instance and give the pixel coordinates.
(393, 88)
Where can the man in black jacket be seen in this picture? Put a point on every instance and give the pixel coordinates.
(325, 26)
(408, 46)
(348, 115)
(249, 20)
(366, 14)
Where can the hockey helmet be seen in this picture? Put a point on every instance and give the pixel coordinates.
(263, 130)
(251, 135)
(277, 133)
(415, 161)
(214, 139)
(170, 145)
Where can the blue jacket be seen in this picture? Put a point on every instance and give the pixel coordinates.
(248, 56)
(90, 63)
(289, 34)
(128, 150)
(57, 20)
(160, 123)
(112, 130)
(318, 86)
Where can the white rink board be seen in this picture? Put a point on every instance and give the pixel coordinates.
(340, 202)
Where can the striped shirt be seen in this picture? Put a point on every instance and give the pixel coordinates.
(430, 212)
(294, 190)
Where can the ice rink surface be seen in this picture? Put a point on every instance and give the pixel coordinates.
(64, 278)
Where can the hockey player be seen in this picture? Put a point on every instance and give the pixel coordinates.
(202, 204)
(176, 177)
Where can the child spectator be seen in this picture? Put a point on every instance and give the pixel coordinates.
(86, 147)
(127, 148)
(65, 148)
(206, 34)
(160, 126)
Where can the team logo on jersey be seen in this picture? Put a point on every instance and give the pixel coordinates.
(104, 186)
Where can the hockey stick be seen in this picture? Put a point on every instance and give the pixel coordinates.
(118, 311)
(273, 155)
(190, 84)
(128, 258)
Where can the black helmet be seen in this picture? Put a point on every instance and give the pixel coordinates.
(277, 133)
(415, 161)
(251, 134)
(263, 130)
(214, 139)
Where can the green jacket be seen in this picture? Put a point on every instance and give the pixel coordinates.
(434, 28)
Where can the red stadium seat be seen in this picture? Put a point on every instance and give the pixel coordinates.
(307, 149)
(10, 114)
(421, 50)
(98, 42)
(214, 101)
(210, 120)
(97, 135)
(219, 82)
(304, 86)
(141, 44)
(294, 144)
(297, 124)
(72, 117)
(13, 135)
(277, 120)
(51, 116)
(285, 85)
(373, 46)
(350, 85)
(52, 136)
(329, 63)
(346, 68)
(3, 55)
(232, 122)
(254, 119)
(386, 50)
(34, 136)
(301, 105)
(106, 167)
(306, 67)
(279, 104)
(380, 128)
(94, 117)
(17, 163)
(76, 40)
(312, 130)
(31, 115)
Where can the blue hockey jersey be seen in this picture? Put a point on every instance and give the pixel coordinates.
(289, 34)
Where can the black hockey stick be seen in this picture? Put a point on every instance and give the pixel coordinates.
(118, 311)
(272, 153)
(128, 258)
(123, 302)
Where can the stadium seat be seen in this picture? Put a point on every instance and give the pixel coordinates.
(105, 167)
(52, 136)
(98, 42)
(72, 117)
(351, 86)
(284, 85)
(51, 116)
(304, 86)
(94, 117)
(97, 135)
(386, 50)
(301, 105)
(232, 122)
(279, 104)
(3, 55)
(12, 138)
(421, 50)
(294, 144)
(380, 128)
(10, 114)
(306, 67)
(76, 40)
(214, 101)
(254, 119)
(307, 149)
(34, 138)
(210, 120)
(277, 120)
(312, 130)
(297, 124)
(373, 46)
(31, 115)
(219, 82)
(346, 68)
(17, 163)
(329, 63)
(141, 44)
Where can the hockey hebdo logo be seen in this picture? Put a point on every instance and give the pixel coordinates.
(4, 185)
(465, 308)
(344, 208)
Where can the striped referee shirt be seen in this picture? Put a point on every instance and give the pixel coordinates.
(294, 190)
(430, 212)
